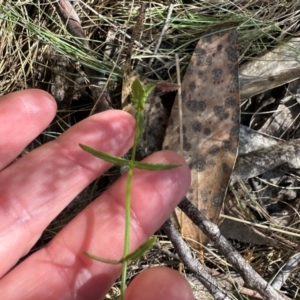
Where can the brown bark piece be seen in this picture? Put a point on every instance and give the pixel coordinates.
(273, 69)
(210, 112)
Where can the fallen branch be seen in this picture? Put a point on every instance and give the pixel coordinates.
(251, 278)
(192, 264)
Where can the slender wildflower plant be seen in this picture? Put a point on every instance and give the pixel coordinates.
(139, 95)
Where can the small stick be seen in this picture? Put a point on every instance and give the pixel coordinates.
(179, 103)
(192, 264)
(162, 34)
(285, 271)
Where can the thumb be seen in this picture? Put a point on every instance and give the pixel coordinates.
(159, 283)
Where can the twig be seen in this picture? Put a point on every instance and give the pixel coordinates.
(72, 22)
(192, 264)
(70, 19)
(268, 227)
(285, 271)
(251, 278)
(179, 103)
(166, 26)
(168, 252)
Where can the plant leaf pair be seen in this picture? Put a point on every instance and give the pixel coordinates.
(135, 255)
(125, 162)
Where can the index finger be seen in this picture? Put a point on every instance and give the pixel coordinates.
(37, 187)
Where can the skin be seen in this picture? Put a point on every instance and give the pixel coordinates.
(35, 188)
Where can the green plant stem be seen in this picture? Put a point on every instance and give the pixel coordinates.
(127, 231)
(139, 96)
(128, 207)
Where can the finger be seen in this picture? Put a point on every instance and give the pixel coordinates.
(159, 284)
(36, 188)
(61, 270)
(23, 116)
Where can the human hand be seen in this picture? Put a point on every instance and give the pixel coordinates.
(36, 188)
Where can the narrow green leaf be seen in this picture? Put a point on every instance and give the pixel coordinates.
(105, 156)
(104, 260)
(138, 94)
(154, 167)
(148, 88)
(140, 251)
